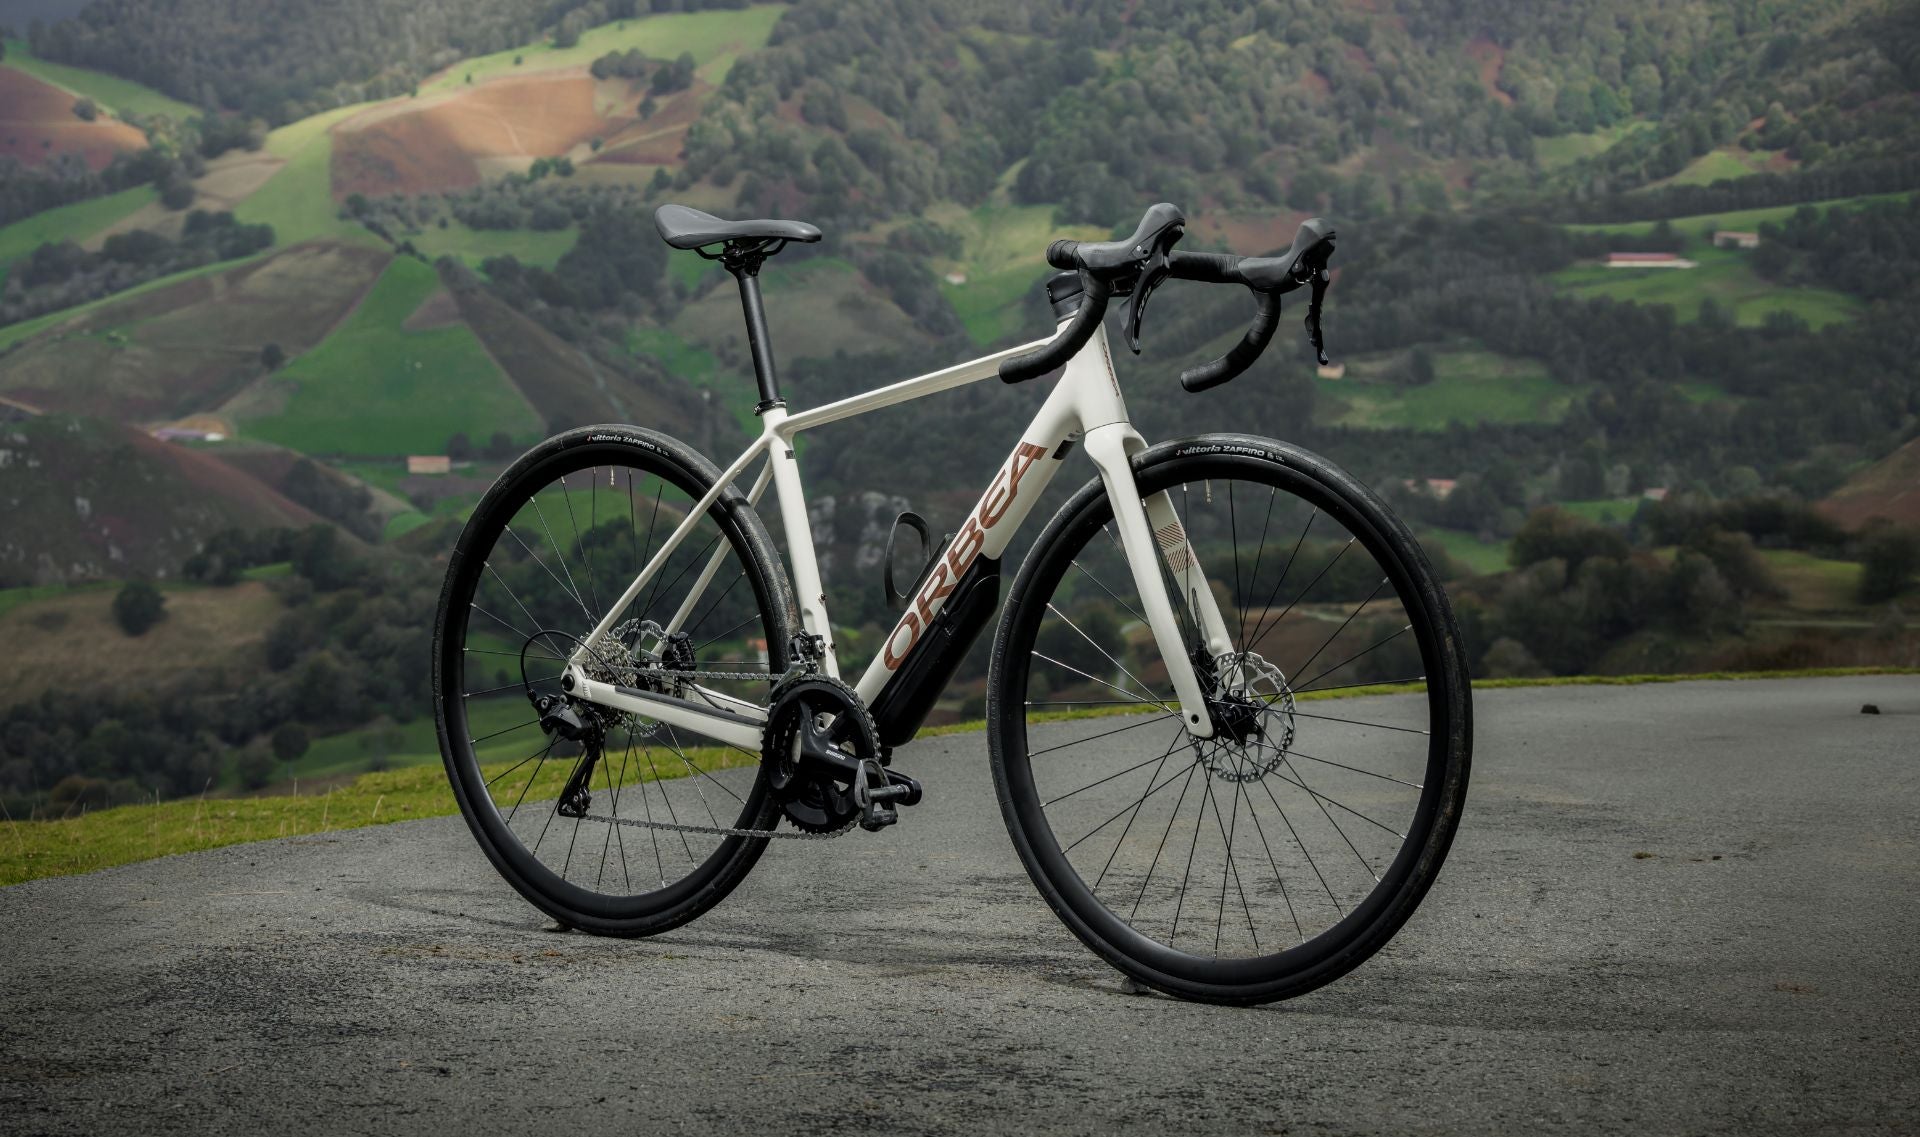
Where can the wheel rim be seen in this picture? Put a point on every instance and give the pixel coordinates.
(1229, 861)
(533, 579)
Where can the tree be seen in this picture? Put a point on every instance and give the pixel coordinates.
(459, 447)
(500, 445)
(176, 193)
(1888, 563)
(138, 607)
(86, 110)
(254, 765)
(289, 741)
(272, 356)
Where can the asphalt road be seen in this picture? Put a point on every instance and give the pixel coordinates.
(1757, 973)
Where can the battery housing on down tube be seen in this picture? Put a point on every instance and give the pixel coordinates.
(903, 703)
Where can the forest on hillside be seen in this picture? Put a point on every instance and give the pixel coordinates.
(1634, 468)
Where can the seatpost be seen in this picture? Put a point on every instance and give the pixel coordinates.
(743, 260)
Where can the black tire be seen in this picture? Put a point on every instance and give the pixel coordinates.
(1047, 614)
(546, 615)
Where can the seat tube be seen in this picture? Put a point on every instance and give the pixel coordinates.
(801, 560)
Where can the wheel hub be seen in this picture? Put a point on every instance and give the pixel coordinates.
(1253, 718)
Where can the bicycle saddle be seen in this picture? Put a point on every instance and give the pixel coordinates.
(686, 228)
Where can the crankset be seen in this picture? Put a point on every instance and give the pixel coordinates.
(823, 759)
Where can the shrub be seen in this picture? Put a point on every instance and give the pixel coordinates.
(138, 607)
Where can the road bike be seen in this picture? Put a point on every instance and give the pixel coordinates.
(636, 692)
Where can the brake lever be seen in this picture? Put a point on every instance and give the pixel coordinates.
(1319, 283)
(1156, 270)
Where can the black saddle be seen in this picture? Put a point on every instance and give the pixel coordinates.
(686, 228)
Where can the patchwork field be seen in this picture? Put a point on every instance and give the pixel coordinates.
(475, 245)
(190, 343)
(374, 387)
(37, 122)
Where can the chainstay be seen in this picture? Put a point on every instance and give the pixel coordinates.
(722, 830)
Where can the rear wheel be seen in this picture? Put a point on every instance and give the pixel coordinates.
(551, 546)
(1284, 851)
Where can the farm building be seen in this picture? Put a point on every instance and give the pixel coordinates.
(1648, 260)
(1735, 239)
(429, 464)
(1333, 371)
(1438, 488)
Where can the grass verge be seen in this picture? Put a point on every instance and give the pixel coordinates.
(110, 837)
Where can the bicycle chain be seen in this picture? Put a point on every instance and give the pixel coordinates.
(722, 830)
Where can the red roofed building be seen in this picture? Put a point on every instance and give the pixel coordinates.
(1648, 260)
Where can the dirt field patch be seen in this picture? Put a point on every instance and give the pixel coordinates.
(449, 143)
(436, 311)
(205, 629)
(37, 122)
(1889, 488)
(1490, 57)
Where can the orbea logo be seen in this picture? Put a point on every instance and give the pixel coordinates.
(1000, 496)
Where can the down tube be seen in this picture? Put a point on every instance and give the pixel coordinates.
(989, 528)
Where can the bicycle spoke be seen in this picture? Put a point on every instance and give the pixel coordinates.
(1404, 628)
(1343, 626)
(1103, 734)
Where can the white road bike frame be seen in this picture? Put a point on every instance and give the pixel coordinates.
(1085, 405)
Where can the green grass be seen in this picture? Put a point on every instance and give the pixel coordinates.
(1813, 583)
(1481, 556)
(35, 849)
(294, 137)
(112, 93)
(530, 247)
(74, 222)
(401, 524)
(374, 388)
(1606, 511)
(1723, 164)
(1003, 254)
(1700, 226)
(298, 200)
(1469, 386)
(1726, 275)
(716, 39)
(1564, 149)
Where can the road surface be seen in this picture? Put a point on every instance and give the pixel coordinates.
(1755, 972)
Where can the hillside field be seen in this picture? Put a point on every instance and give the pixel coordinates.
(374, 387)
(110, 91)
(1725, 275)
(715, 39)
(74, 222)
(1469, 386)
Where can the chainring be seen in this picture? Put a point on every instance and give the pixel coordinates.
(816, 798)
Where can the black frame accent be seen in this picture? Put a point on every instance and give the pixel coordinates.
(902, 704)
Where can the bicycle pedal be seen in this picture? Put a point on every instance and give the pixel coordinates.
(876, 816)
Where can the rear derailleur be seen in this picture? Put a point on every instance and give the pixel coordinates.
(560, 718)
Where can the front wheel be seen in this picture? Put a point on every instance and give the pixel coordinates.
(1283, 852)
